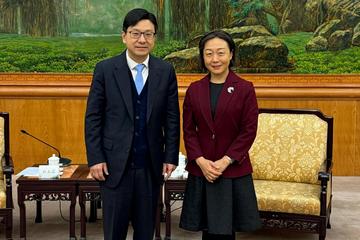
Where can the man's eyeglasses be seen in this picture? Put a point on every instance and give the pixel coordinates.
(137, 35)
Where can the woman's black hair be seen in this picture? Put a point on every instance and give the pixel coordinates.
(136, 15)
(217, 34)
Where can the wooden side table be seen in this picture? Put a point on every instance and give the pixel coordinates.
(88, 190)
(34, 189)
(173, 190)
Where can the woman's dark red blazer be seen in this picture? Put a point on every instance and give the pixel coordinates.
(231, 133)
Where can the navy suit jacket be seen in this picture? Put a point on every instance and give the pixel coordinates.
(109, 120)
(231, 133)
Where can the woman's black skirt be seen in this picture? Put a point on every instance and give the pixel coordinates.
(228, 205)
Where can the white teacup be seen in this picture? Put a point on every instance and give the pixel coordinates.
(53, 160)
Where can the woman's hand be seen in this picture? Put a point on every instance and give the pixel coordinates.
(222, 163)
(208, 168)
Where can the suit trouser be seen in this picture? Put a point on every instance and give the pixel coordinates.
(134, 199)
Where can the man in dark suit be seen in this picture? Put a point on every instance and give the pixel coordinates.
(132, 129)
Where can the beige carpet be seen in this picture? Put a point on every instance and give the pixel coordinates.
(345, 220)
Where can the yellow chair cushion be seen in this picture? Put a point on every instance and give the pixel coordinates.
(2, 194)
(289, 147)
(288, 197)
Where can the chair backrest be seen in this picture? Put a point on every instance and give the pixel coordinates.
(292, 145)
(4, 135)
(5, 181)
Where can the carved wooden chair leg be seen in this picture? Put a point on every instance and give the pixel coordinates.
(322, 231)
(8, 225)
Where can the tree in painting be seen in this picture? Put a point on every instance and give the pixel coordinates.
(36, 17)
(187, 18)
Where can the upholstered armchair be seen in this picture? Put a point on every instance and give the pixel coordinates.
(292, 163)
(6, 171)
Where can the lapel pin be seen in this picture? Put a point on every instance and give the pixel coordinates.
(230, 89)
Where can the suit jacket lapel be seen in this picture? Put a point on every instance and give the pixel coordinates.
(225, 96)
(153, 82)
(123, 79)
(204, 98)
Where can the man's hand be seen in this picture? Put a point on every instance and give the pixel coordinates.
(97, 171)
(168, 168)
(210, 170)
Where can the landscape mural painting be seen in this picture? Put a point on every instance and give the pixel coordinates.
(272, 36)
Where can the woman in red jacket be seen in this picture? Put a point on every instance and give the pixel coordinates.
(220, 121)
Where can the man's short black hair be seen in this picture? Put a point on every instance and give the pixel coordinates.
(217, 34)
(136, 15)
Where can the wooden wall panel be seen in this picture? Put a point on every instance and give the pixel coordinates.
(56, 121)
(357, 141)
(52, 107)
